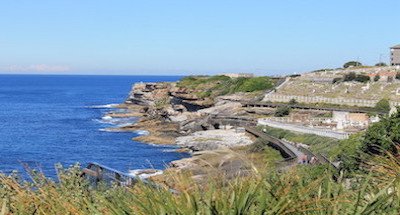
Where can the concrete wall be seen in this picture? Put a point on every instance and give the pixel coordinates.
(303, 129)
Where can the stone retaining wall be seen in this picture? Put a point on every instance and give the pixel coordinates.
(316, 99)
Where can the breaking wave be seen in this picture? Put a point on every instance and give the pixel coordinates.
(120, 122)
(107, 106)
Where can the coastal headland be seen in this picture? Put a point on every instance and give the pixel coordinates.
(207, 116)
(186, 113)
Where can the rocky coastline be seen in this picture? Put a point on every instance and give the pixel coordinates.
(175, 115)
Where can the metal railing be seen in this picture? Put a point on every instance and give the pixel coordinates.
(275, 143)
(290, 156)
(97, 173)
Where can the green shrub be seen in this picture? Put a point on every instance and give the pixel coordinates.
(353, 77)
(382, 106)
(384, 135)
(362, 78)
(352, 64)
(381, 64)
(350, 76)
(293, 102)
(282, 111)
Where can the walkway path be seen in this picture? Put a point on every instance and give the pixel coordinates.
(290, 152)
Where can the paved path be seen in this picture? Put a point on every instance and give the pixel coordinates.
(288, 151)
(294, 149)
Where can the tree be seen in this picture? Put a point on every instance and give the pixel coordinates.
(292, 102)
(351, 64)
(376, 78)
(383, 136)
(362, 78)
(381, 64)
(383, 106)
(398, 76)
(349, 77)
(282, 111)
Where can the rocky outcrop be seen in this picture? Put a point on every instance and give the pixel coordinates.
(213, 139)
(166, 106)
(149, 94)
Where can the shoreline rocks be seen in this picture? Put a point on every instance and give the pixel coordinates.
(213, 140)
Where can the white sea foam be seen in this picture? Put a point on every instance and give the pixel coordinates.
(119, 122)
(144, 174)
(113, 130)
(106, 117)
(107, 106)
(169, 150)
(142, 132)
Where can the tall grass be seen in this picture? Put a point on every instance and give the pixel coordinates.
(301, 190)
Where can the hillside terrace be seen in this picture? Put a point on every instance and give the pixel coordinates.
(320, 84)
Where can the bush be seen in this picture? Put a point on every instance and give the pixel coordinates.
(382, 106)
(398, 76)
(381, 64)
(293, 102)
(376, 78)
(356, 77)
(349, 77)
(352, 64)
(337, 80)
(282, 111)
(362, 78)
(384, 135)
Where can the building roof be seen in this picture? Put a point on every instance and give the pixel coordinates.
(395, 47)
(386, 73)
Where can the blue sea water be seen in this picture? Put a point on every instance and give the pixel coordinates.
(46, 120)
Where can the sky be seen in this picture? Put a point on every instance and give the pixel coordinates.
(183, 37)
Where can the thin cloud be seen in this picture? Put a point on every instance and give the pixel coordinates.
(37, 68)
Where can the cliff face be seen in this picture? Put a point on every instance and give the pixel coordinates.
(162, 94)
(149, 94)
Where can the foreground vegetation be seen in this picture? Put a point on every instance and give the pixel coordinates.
(302, 190)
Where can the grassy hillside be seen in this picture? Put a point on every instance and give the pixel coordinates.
(212, 86)
(317, 143)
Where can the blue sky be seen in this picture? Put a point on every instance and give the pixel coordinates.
(175, 37)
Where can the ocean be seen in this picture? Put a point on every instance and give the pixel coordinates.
(49, 119)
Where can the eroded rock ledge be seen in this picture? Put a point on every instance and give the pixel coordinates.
(168, 111)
